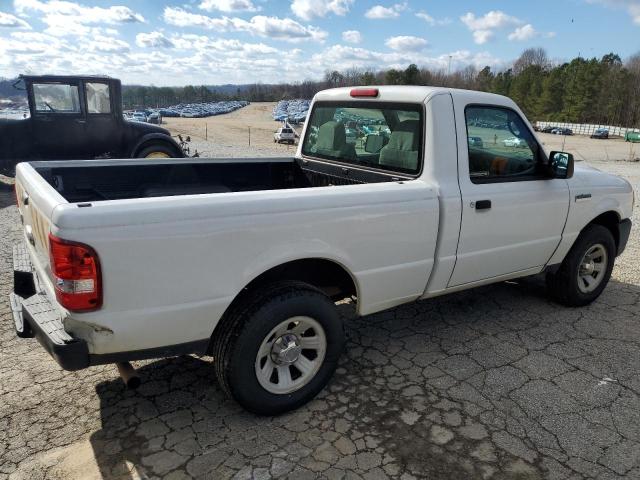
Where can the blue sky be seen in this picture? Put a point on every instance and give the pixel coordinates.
(173, 42)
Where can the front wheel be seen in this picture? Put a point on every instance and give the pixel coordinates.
(586, 269)
(158, 151)
(278, 348)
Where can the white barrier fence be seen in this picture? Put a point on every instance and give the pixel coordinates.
(588, 129)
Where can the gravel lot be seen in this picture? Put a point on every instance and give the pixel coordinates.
(497, 382)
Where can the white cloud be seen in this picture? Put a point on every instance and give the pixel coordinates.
(229, 5)
(631, 6)
(352, 36)
(307, 9)
(271, 27)
(204, 43)
(483, 27)
(482, 36)
(11, 21)
(406, 43)
(432, 21)
(153, 40)
(107, 44)
(491, 20)
(380, 12)
(69, 18)
(525, 32)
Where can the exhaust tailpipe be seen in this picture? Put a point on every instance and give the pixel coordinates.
(129, 375)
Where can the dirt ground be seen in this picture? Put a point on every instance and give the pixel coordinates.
(245, 132)
(228, 136)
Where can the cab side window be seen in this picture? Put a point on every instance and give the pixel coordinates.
(98, 98)
(501, 147)
(56, 98)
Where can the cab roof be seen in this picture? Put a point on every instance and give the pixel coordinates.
(65, 78)
(412, 94)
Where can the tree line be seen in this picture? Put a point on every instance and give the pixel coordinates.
(601, 91)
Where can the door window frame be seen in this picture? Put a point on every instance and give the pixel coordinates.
(540, 155)
(45, 113)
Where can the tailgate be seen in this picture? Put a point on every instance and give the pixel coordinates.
(37, 200)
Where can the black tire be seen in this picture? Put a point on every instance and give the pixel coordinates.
(563, 286)
(161, 149)
(236, 342)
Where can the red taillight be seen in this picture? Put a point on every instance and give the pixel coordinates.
(76, 275)
(364, 92)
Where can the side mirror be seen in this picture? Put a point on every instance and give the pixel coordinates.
(561, 165)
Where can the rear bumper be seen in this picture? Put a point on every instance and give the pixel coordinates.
(624, 229)
(35, 316)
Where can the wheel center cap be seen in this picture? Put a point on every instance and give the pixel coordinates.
(286, 349)
(588, 268)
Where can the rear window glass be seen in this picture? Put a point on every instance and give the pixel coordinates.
(379, 135)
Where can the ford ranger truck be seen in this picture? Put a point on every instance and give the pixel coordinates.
(244, 259)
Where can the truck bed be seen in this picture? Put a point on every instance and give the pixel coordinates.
(91, 181)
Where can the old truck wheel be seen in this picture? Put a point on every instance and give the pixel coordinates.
(158, 151)
(586, 269)
(279, 348)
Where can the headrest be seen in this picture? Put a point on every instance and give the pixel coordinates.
(405, 136)
(331, 136)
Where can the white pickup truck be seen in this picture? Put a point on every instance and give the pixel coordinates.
(244, 259)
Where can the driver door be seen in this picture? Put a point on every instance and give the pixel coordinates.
(513, 214)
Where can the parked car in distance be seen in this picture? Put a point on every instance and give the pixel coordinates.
(514, 142)
(547, 129)
(154, 118)
(78, 117)
(244, 259)
(284, 135)
(562, 131)
(633, 137)
(139, 117)
(600, 133)
(475, 142)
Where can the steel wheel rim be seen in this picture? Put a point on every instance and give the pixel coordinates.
(291, 354)
(592, 268)
(157, 155)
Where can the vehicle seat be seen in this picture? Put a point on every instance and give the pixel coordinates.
(402, 149)
(498, 166)
(332, 141)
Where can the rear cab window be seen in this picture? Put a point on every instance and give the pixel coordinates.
(385, 136)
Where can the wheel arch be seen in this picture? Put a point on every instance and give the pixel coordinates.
(611, 221)
(329, 276)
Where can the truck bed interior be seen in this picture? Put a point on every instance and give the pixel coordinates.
(95, 182)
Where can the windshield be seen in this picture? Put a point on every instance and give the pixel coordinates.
(379, 135)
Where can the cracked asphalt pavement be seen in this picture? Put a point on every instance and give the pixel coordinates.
(497, 382)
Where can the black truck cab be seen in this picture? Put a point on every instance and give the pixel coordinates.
(78, 117)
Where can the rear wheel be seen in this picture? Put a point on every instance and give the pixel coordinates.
(159, 151)
(586, 270)
(279, 348)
